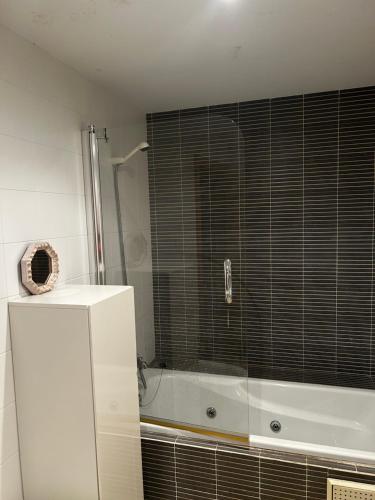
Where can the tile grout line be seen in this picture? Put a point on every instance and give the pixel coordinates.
(156, 232)
(183, 227)
(38, 191)
(372, 267)
(216, 472)
(303, 231)
(175, 465)
(210, 219)
(270, 221)
(77, 153)
(243, 347)
(337, 224)
(52, 238)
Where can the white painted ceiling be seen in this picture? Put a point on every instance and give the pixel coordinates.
(166, 54)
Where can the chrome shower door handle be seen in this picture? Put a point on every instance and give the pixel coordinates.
(228, 280)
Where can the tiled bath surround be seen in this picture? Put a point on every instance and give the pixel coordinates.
(192, 469)
(43, 107)
(284, 187)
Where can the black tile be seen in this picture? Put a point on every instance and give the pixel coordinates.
(237, 476)
(197, 441)
(195, 472)
(316, 483)
(366, 469)
(158, 470)
(351, 476)
(283, 456)
(282, 480)
(331, 464)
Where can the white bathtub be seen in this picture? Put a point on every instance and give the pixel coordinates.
(315, 419)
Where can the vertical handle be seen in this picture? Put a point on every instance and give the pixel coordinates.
(228, 280)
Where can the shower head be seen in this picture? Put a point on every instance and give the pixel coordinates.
(142, 146)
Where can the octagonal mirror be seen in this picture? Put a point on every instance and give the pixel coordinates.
(40, 268)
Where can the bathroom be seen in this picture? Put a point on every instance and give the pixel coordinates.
(187, 249)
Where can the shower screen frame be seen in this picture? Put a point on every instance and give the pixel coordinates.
(94, 208)
(94, 215)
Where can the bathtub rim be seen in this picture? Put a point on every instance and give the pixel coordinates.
(188, 430)
(162, 433)
(347, 455)
(308, 454)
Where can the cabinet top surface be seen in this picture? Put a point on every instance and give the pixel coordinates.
(80, 296)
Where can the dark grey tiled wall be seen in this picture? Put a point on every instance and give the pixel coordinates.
(284, 187)
(184, 470)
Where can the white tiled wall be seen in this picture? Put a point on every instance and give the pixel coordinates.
(43, 107)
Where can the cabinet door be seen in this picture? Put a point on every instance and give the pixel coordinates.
(52, 366)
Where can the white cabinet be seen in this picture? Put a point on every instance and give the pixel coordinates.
(75, 373)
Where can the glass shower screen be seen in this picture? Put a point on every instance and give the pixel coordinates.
(163, 234)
